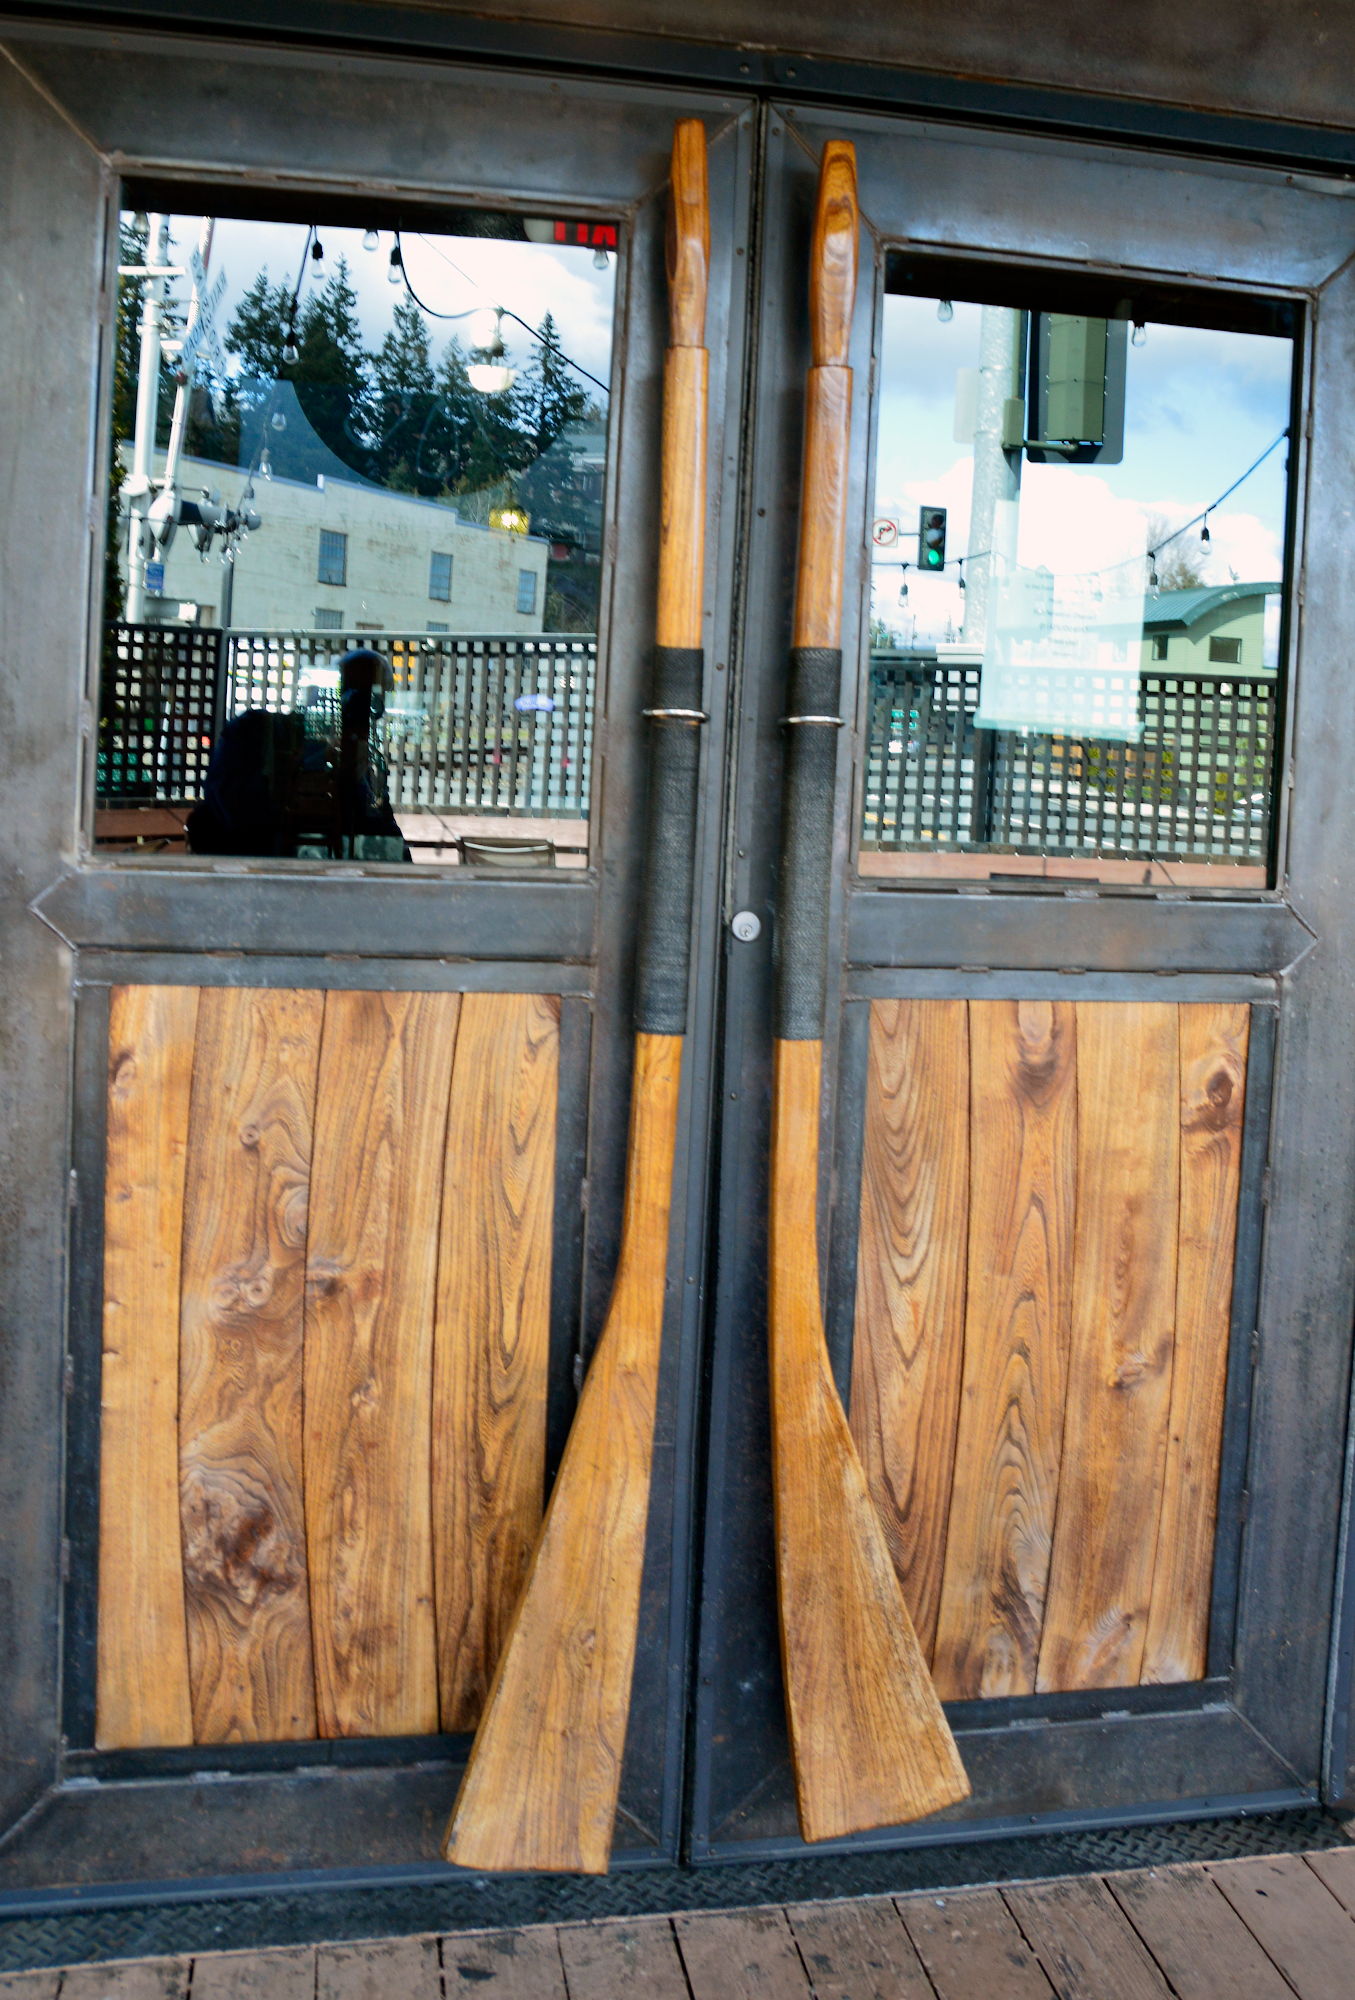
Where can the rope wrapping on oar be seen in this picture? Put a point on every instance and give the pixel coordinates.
(800, 950)
(664, 951)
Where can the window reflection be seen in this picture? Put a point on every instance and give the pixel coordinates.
(1077, 588)
(354, 539)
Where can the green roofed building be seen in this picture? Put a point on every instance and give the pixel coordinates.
(1212, 626)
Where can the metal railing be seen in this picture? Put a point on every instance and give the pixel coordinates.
(480, 723)
(1197, 786)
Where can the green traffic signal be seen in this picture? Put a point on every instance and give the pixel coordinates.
(931, 538)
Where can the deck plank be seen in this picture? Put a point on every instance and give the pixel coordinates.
(1296, 1920)
(142, 1697)
(1335, 1870)
(391, 1969)
(1120, 1360)
(1018, 1316)
(505, 1965)
(1195, 1936)
(745, 1955)
(371, 1267)
(972, 1948)
(134, 1979)
(285, 1973)
(241, 1509)
(1213, 1042)
(910, 1291)
(858, 1950)
(492, 1334)
(30, 1985)
(1085, 1943)
(620, 1956)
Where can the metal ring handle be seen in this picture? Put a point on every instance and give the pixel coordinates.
(824, 721)
(676, 714)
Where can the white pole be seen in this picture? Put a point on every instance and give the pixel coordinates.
(993, 516)
(147, 413)
(179, 421)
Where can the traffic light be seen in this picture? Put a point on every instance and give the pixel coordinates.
(931, 539)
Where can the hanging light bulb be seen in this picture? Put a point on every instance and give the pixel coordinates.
(903, 591)
(599, 259)
(317, 252)
(395, 270)
(944, 310)
(1140, 334)
(962, 573)
(291, 353)
(370, 240)
(1204, 531)
(492, 375)
(279, 423)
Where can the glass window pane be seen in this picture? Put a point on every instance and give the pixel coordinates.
(320, 433)
(1078, 579)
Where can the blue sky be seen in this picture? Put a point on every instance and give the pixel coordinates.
(1200, 406)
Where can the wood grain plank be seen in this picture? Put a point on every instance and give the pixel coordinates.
(240, 1365)
(1197, 1939)
(1335, 1870)
(746, 1955)
(1018, 1317)
(1085, 1942)
(603, 1960)
(1213, 1087)
(858, 1950)
(42, 1985)
(380, 1125)
(134, 1979)
(505, 1965)
(972, 1947)
(142, 1680)
(285, 1973)
(1299, 1925)
(405, 1966)
(910, 1289)
(1120, 1360)
(492, 1336)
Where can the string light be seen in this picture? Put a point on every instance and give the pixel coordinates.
(1140, 334)
(1204, 532)
(370, 240)
(395, 270)
(317, 251)
(944, 310)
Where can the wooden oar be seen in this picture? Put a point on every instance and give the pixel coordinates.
(869, 1742)
(541, 1786)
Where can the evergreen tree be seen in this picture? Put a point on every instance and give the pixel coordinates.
(403, 398)
(330, 374)
(258, 330)
(550, 395)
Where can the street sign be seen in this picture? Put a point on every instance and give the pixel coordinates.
(155, 579)
(884, 532)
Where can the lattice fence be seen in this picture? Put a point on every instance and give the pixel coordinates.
(1198, 784)
(479, 724)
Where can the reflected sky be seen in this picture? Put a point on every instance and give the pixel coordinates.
(1201, 406)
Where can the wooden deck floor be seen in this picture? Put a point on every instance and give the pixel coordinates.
(1263, 1929)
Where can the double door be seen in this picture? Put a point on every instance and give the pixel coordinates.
(1084, 1154)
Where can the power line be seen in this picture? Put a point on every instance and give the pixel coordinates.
(507, 313)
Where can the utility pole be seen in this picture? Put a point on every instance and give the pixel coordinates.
(994, 509)
(140, 544)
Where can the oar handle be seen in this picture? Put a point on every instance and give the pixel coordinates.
(674, 709)
(814, 684)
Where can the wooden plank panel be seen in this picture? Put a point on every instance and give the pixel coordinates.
(142, 1684)
(504, 1965)
(380, 1124)
(604, 1959)
(240, 1365)
(285, 1973)
(1085, 1943)
(1301, 1928)
(1213, 1086)
(972, 1948)
(404, 1966)
(858, 1950)
(492, 1336)
(1120, 1359)
(1023, 1159)
(1196, 1937)
(747, 1955)
(910, 1286)
(43, 1985)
